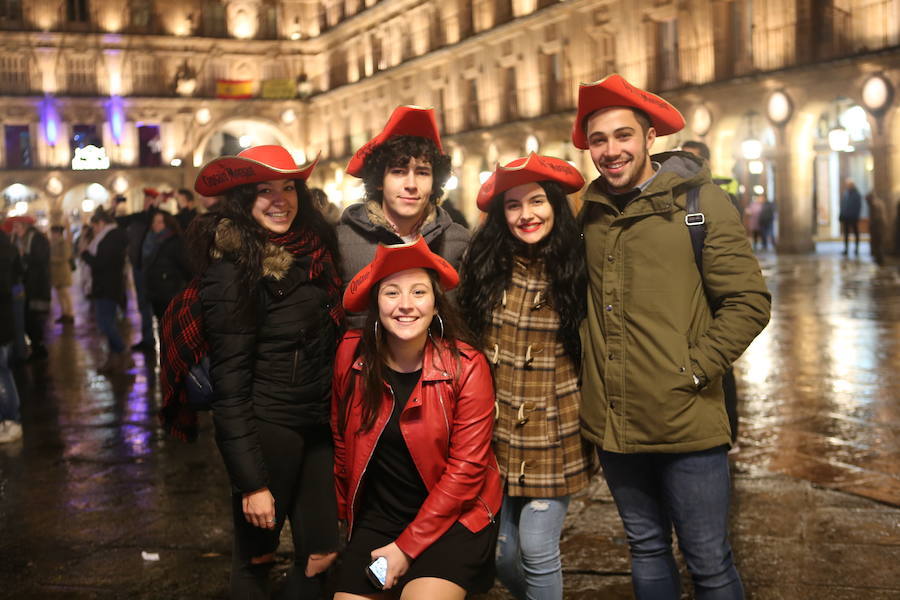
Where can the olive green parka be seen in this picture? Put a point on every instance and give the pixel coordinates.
(649, 326)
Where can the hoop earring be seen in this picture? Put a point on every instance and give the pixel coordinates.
(441, 323)
(376, 329)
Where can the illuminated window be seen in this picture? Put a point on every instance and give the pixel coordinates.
(10, 10)
(81, 75)
(77, 11)
(214, 19)
(149, 146)
(14, 74)
(83, 136)
(18, 146)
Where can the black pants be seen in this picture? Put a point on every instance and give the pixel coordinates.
(849, 227)
(300, 465)
(35, 321)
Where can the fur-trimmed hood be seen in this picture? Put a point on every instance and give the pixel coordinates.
(276, 260)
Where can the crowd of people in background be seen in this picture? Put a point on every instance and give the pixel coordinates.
(423, 399)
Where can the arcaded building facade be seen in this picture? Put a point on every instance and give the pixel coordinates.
(792, 96)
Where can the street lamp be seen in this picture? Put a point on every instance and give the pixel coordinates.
(751, 149)
(779, 107)
(877, 93)
(838, 139)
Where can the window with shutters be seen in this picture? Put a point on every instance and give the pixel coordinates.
(81, 75)
(14, 76)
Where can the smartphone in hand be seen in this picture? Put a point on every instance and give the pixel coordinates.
(377, 572)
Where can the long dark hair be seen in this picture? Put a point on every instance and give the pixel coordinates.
(486, 270)
(443, 334)
(237, 205)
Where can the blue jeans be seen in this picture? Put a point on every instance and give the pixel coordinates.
(105, 314)
(144, 306)
(653, 492)
(9, 394)
(528, 561)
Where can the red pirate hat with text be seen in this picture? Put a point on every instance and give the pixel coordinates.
(530, 169)
(393, 259)
(260, 163)
(615, 91)
(405, 120)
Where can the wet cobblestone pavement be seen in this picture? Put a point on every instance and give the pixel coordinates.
(816, 511)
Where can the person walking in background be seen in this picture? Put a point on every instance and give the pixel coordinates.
(412, 415)
(61, 267)
(269, 295)
(659, 336)
(404, 170)
(136, 226)
(767, 223)
(10, 417)
(877, 227)
(166, 269)
(186, 209)
(523, 293)
(851, 207)
(106, 255)
(34, 249)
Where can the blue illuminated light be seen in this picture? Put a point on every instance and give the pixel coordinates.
(116, 115)
(49, 120)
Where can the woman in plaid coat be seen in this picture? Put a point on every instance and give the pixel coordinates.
(523, 293)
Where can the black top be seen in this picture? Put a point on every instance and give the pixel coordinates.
(394, 490)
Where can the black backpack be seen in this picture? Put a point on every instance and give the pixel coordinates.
(696, 224)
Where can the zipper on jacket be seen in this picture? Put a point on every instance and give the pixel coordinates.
(486, 507)
(444, 412)
(350, 506)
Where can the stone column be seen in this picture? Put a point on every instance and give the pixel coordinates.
(795, 224)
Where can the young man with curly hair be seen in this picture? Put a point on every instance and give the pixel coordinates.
(404, 170)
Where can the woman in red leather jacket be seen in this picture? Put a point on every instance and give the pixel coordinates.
(412, 416)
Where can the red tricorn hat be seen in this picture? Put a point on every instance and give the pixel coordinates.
(615, 91)
(532, 168)
(393, 259)
(405, 120)
(151, 192)
(260, 163)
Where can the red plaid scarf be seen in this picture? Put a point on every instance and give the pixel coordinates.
(183, 344)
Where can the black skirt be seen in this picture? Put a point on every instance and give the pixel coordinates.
(458, 556)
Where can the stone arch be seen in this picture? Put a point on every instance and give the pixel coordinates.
(268, 132)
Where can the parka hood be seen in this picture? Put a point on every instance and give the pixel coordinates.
(678, 171)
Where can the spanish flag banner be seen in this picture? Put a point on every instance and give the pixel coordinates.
(234, 89)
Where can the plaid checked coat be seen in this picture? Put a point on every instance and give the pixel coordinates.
(537, 436)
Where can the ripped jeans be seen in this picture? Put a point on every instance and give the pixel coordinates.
(528, 560)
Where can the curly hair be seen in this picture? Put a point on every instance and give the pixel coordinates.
(237, 205)
(486, 269)
(398, 151)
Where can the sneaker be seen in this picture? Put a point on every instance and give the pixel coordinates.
(11, 433)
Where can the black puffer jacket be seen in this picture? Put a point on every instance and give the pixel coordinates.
(108, 266)
(10, 274)
(273, 363)
(166, 271)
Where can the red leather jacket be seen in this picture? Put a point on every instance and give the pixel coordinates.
(447, 423)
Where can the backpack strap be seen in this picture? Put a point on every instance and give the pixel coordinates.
(696, 224)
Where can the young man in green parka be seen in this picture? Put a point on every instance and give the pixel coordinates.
(659, 337)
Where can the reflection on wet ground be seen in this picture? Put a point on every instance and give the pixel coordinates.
(816, 512)
(820, 386)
